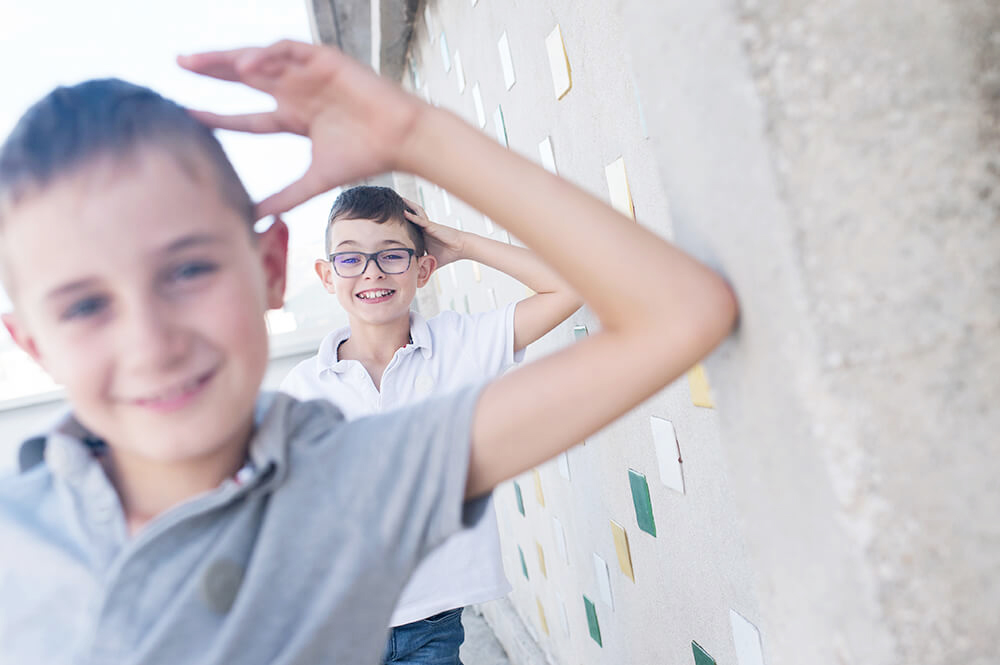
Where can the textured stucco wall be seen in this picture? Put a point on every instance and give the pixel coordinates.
(839, 159)
(696, 569)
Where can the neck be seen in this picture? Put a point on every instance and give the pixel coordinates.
(375, 342)
(148, 488)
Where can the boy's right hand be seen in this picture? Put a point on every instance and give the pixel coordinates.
(358, 122)
(444, 243)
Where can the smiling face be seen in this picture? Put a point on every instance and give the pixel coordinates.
(146, 301)
(374, 298)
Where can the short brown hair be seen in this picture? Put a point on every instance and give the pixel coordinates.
(378, 204)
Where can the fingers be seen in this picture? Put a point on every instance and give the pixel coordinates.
(255, 123)
(419, 220)
(217, 64)
(296, 193)
(414, 206)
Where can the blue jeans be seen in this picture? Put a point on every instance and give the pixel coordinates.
(431, 641)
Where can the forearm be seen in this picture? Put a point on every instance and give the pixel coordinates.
(520, 263)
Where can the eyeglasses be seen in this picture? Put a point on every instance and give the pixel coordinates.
(390, 261)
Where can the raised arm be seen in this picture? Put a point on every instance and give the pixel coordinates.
(553, 300)
(660, 309)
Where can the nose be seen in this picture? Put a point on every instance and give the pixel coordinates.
(371, 269)
(152, 338)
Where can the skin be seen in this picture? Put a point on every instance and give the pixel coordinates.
(361, 125)
(160, 335)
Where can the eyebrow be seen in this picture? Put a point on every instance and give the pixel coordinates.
(182, 243)
(384, 243)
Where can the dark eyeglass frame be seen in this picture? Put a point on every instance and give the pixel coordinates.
(375, 256)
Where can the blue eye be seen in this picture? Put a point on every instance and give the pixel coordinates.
(85, 308)
(192, 270)
(394, 257)
(349, 260)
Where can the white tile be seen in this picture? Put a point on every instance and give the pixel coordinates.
(445, 55)
(548, 157)
(603, 580)
(562, 461)
(477, 99)
(747, 640)
(493, 298)
(459, 73)
(563, 615)
(558, 63)
(488, 225)
(506, 62)
(618, 188)
(428, 21)
(447, 201)
(454, 275)
(668, 453)
(560, 538)
(500, 127)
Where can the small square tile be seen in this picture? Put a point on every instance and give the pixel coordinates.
(459, 73)
(492, 294)
(563, 614)
(468, 308)
(641, 501)
(451, 305)
(559, 536)
(519, 498)
(477, 100)
(437, 283)
(477, 273)
(429, 22)
(701, 393)
(488, 225)
(592, 624)
(541, 616)
(562, 79)
(668, 453)
(541, 559)
(447, 202)
(524, 564)
(562, 462)
(453, 275)
(500, 127)
(746, 637)
(445, 55)
(539, 496)
(603, 577)
(548, 157)
(701, 656)
(618, 187)
(506, 61)
(579, 332)
(622, 549)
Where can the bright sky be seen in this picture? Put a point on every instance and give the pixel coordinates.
(45, 44)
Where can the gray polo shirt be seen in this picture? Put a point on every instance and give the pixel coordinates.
(299, 559)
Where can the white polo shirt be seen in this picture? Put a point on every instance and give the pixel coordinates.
(448, 352)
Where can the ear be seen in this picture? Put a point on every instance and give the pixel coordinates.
(21, 337)
(425, 268)
(273, 247)
(324, 270)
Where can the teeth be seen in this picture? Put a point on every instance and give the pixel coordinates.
(370, 295)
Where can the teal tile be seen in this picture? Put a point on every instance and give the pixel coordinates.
(701, 656)
(520, 499)
(579, 332)
(640, 498)
(595, 628)
(524, 565)
(468, 310)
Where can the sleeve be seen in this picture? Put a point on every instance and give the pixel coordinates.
(489, 336)
(414, 466)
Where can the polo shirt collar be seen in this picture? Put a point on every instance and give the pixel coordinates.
(326, 357)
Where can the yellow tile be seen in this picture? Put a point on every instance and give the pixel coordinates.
(476, 272)
(437, 283)
(701, 394)
(538, 487)
(528, 292)
(621, 547)
(541, 615)
(541, 559)
(562, 78)
(618, 189)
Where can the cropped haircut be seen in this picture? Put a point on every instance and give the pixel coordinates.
(378, 204)
(74, 125)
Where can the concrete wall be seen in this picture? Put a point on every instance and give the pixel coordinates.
(838, 162)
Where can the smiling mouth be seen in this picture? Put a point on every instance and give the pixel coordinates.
(375, 295)
(176, 396)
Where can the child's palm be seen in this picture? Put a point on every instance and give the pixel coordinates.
(356, 120)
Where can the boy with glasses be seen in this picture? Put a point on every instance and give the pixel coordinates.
(179, 516)
(382, 248)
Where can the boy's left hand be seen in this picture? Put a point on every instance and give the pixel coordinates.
(444, 243)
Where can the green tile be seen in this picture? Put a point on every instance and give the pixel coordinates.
(595, 628)
(701, 656)
(468, 310)
(524, 566)
(640, 498)
(579, 332)
(520, 499)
